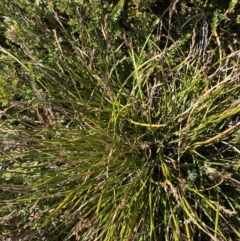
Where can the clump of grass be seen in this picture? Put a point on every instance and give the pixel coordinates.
(138, 147)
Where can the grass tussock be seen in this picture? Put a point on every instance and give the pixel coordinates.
(135, 142)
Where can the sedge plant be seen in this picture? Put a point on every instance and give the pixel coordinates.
(129, 137)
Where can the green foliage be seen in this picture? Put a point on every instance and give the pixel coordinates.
(12, 86)
(121, 121)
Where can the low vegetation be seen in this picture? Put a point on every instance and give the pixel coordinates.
(119, 120)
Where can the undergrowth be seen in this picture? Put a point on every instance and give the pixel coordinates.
(125, 136)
